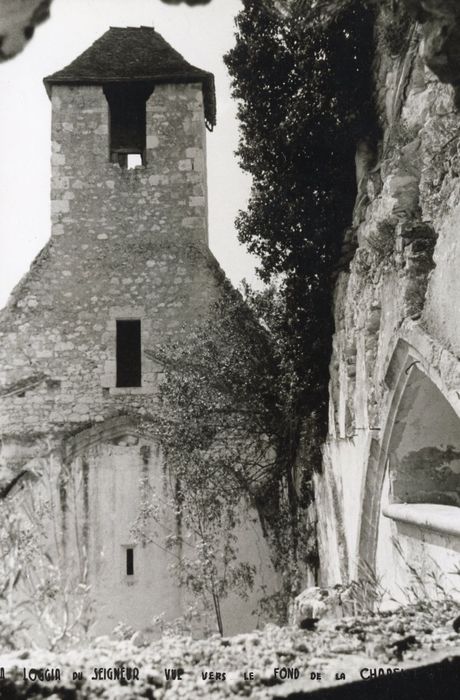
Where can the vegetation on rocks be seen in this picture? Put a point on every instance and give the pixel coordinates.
(396, 25)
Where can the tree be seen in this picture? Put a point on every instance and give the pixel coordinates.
(228, 427)
(202, 542)
(245, 393)
(301, 73)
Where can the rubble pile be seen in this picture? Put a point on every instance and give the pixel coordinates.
(260, 664)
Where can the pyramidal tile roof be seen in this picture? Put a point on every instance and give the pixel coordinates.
(135, 54)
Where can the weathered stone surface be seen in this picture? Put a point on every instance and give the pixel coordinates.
(394, 392)
(367, 650)
(316, 603)
(135, 248)
(441, 33)
(308, 607)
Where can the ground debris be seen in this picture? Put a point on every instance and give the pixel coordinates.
(247, 665)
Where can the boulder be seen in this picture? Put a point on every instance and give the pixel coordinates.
(315, 603)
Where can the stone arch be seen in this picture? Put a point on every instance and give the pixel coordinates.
(418, 370)
(425, 440)
(108, 430)
(118, 466)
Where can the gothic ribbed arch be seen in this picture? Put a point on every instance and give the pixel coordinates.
(406, 359)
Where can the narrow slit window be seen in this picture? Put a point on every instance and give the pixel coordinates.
(129, 561)
(129, 365)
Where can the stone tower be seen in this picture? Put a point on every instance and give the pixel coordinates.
(126, 267)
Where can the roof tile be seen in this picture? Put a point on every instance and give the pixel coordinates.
(135, 54)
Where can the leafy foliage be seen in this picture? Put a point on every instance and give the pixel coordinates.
(41, 597)
(202, 542)
(302, 75)
(229, 430)
(245, 394)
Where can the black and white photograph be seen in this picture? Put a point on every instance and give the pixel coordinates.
(229, 349)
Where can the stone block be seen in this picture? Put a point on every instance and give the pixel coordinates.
(191, 221)
(198, 163)
(152, 141)
(59, 206)
(60, 183)
(185, 165)
(57, 159)
(316, 603)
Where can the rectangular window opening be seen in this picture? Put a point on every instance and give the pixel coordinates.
(127, 107)
(129, 561)
(128, 358)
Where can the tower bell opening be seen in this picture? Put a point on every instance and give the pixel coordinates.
(127, 107)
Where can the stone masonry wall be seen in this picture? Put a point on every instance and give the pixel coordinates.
(126, 243)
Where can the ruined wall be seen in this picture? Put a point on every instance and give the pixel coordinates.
(395, 371)
(106, 491)
(125, 244)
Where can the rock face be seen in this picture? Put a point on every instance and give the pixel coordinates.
(17, 23)
(440, 21)
(394, 433)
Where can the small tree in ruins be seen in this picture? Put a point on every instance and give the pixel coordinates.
(229, 432)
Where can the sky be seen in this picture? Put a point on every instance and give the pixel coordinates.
(201, 34)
